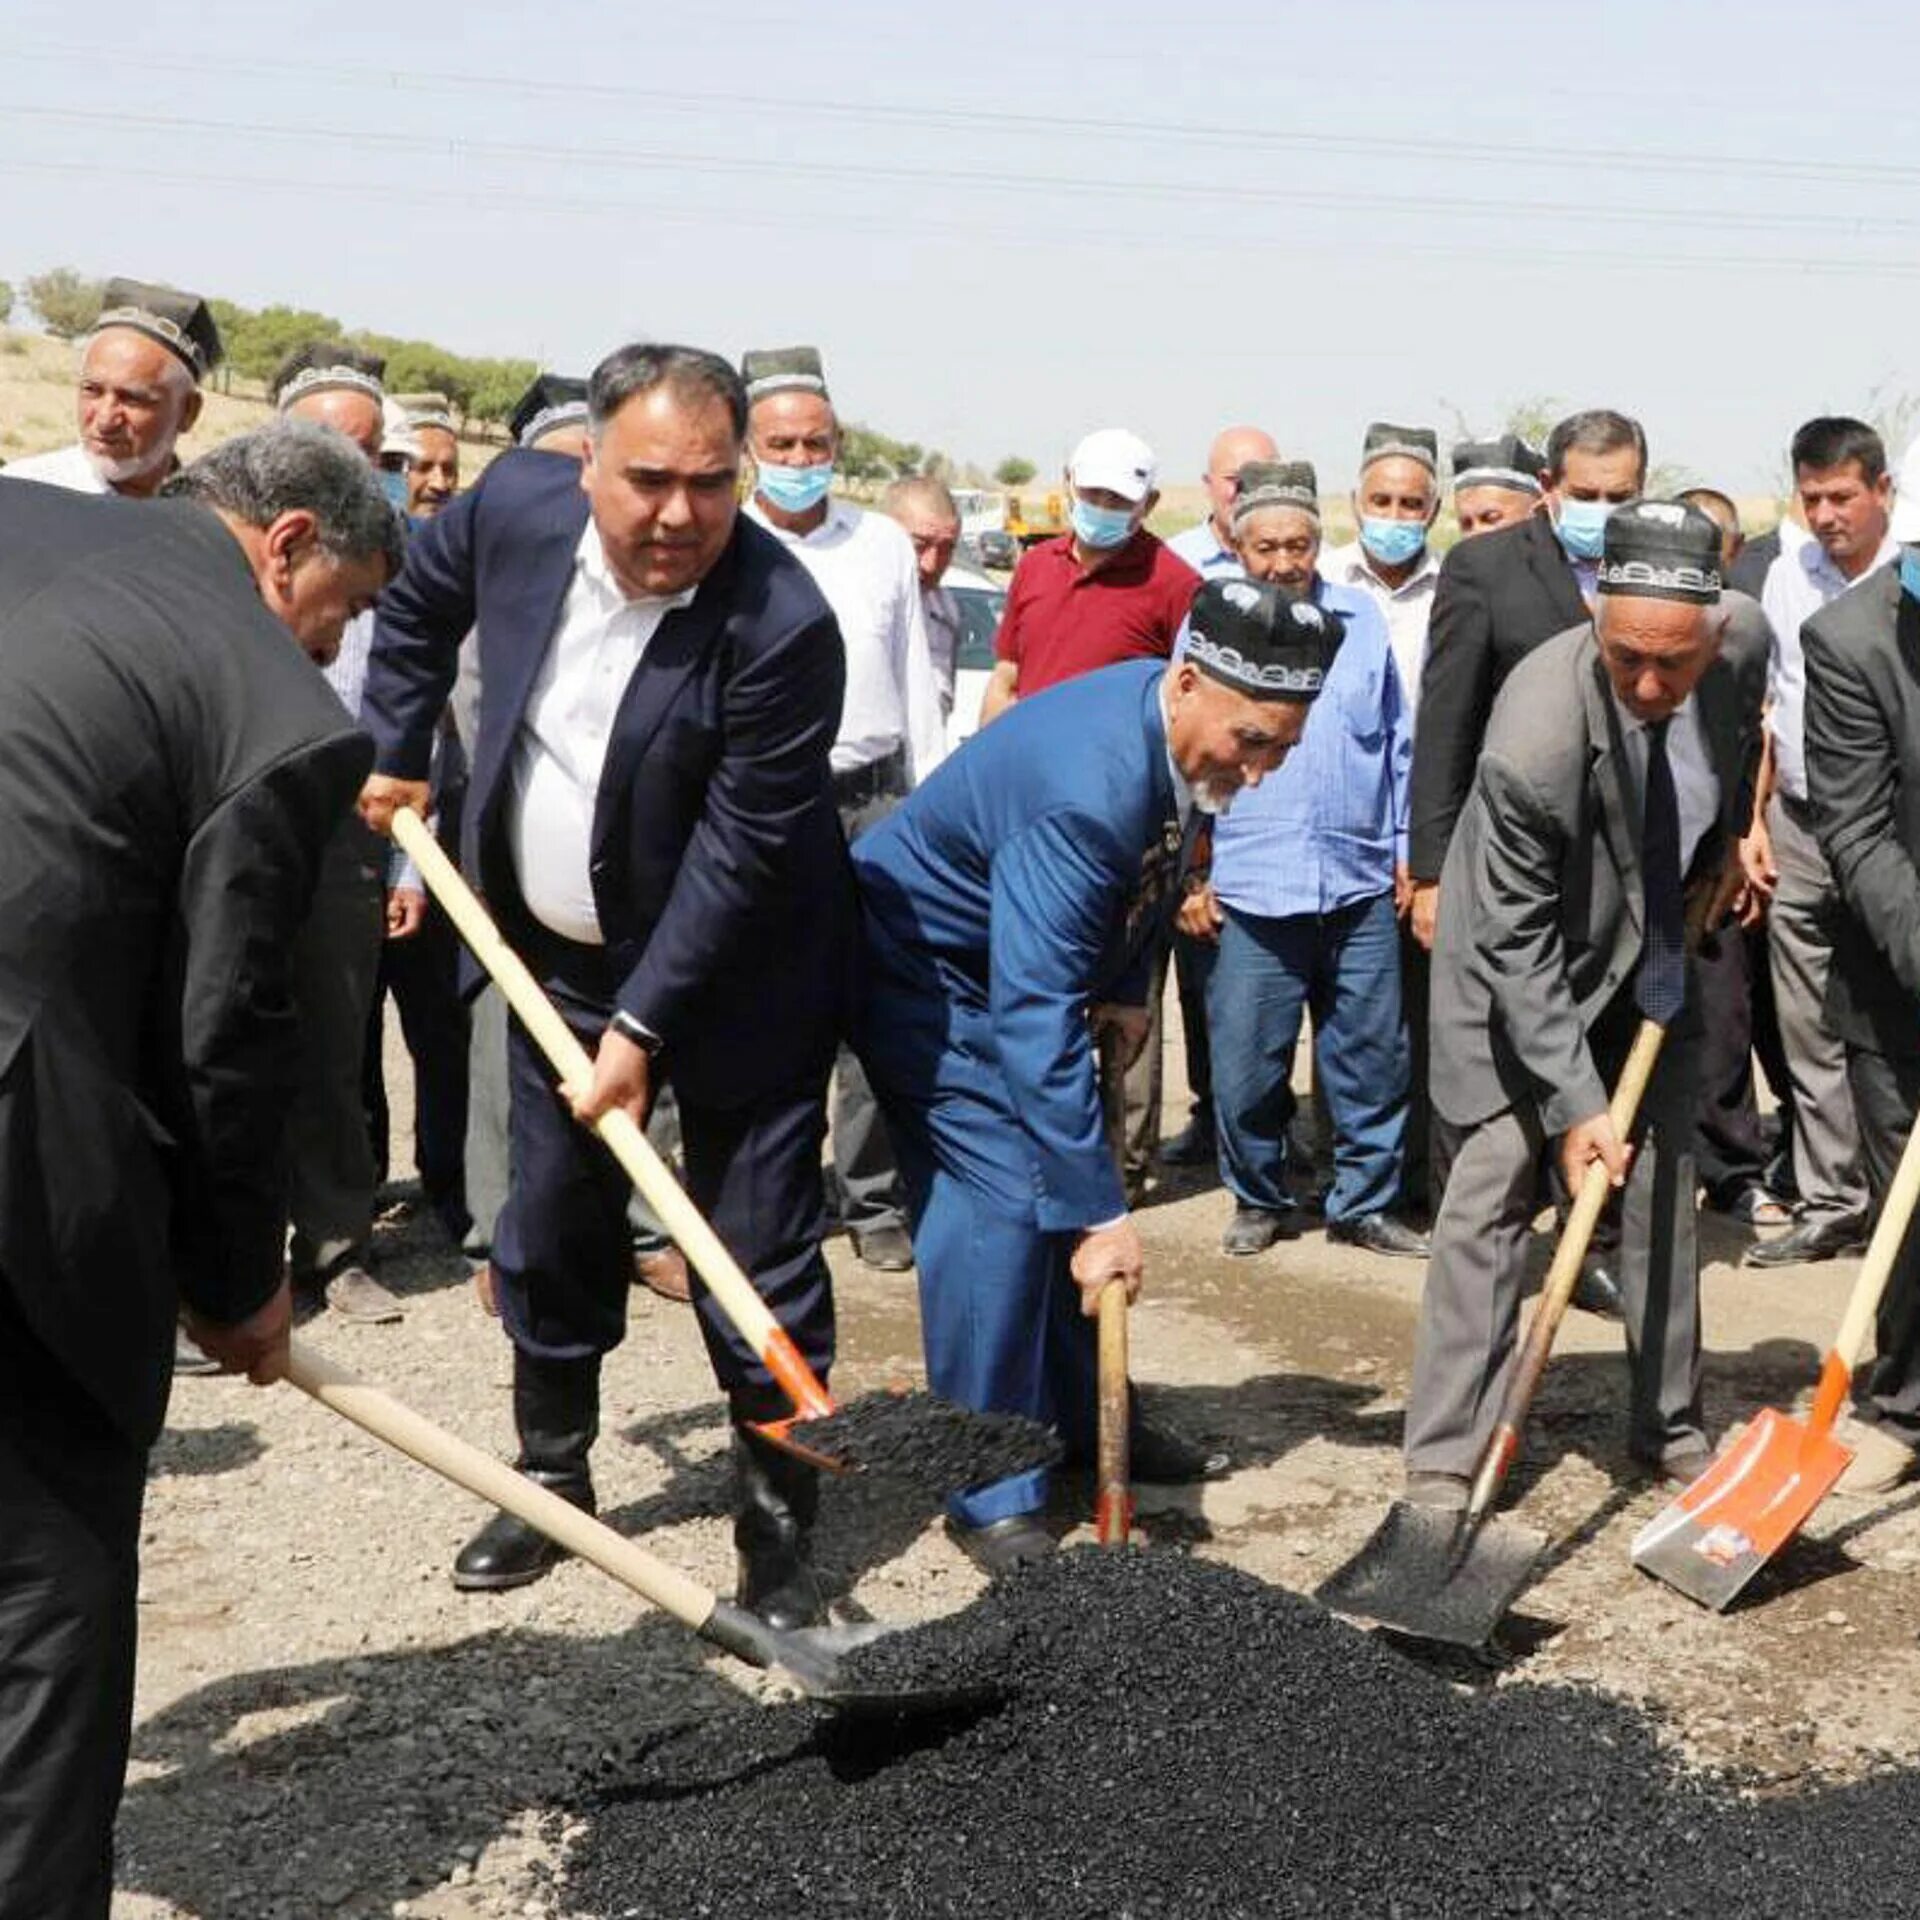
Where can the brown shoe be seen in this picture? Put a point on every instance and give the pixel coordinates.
(483, 1289)
(664, 1273)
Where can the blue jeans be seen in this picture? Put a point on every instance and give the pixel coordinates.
(1345, 967)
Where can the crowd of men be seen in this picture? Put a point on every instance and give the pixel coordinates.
(682, 712)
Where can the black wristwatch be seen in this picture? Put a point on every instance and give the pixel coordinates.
(628, 1028)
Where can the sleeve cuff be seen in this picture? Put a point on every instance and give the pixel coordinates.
(628, 1028)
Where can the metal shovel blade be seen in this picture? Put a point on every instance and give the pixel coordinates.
(816, 1661)
(1712, 1539)
(1431, 1573)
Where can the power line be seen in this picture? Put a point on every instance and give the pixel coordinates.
(949, 179)
(1131, 239)
(1744, 168)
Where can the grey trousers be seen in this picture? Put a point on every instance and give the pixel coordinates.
(1826, 1139)
(1469, 1313)
(336, 968)
(867, 1193)
(486, 1149)
(1886, 1095)
(1130, 1095)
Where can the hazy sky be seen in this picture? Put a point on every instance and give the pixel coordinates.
(1032, 220)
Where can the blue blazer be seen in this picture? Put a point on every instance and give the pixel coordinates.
(719, 871)
(1020, 884)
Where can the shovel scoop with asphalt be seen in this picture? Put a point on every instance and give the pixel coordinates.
(1450, 1574)
(812, 1659)
(1737, 1515)
(941, 1447)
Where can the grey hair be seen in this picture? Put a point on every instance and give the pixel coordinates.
(689, 373)
(921, 489)
(294, 465)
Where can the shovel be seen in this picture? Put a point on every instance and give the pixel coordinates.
(629, 1144)
(1113, 1503)
(1712, 1539)
(810, 1658)
(1446, 1575)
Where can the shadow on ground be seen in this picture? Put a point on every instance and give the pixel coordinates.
(342, 1786)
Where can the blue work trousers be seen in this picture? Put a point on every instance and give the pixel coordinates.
(1343, 967)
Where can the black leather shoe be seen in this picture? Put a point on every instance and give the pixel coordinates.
(1802, 1245)
(556, 1412)
(884, 1249)
(1596, 1291)
(1159, 1457)
(1255, 1229)
(1380, 1233)
(507, 1553)
(1195, 1145)
(776, 1497)
(1004, 1546)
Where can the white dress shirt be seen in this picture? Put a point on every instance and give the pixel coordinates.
(1406, 608)
(1202, 549)
(66, 467)
(863, 563)
(1696, 787)
(561, 748)
(1798, 584)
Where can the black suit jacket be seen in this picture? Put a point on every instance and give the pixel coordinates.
(1863, 779)
(1748, 574)
(719, 872)
(171, 766)
(1500, 595)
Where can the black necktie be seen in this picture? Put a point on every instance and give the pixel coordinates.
(1662, 982)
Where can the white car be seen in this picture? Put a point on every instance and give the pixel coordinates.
(980, 603)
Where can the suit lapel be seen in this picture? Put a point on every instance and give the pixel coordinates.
(1619, 792)
(1555, 572)
(682, 640)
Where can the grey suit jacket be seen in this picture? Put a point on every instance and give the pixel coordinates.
(1863, 778)
(1541, 899)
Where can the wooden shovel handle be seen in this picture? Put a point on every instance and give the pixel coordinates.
(626, 1141)
(1856, 1324)
(377, 1412)
(1113, 1504)
(1564, 1274)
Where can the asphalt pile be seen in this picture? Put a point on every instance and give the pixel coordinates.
(1174, 1738)
(937, 1445)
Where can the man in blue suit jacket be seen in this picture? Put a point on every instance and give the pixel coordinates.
(1007, 909)
(651, 820)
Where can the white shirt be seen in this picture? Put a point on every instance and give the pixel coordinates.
(863, 563)
(561, 748)
(1696, 787)
(1798, 584)
(67, 467)
(1406, 608)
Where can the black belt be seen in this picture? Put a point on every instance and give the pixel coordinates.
(875, 781)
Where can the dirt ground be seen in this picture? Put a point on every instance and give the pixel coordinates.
(325, 1727)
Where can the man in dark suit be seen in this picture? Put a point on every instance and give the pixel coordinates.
(170, 769)
(651, 819)
(1863, 776)
(1499, 596)
(1618, 764)
(1012, 907)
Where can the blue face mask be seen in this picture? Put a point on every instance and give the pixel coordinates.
(1910, 572)
(1393, 542)
(393, 483)
(1101, 527)
(795, 489)
(1582, 526)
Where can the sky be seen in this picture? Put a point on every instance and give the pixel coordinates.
(1005, 225)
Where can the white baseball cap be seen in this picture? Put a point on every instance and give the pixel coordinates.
(1114, 461)
(1905, 523)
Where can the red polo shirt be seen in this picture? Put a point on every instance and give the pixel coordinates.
(1062, 620)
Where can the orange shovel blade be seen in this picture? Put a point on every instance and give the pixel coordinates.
(1723, 1529)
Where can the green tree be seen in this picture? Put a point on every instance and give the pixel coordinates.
(6, 301)
(498, 385)
(1013, 471)
(67, 302)
(256, 343)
